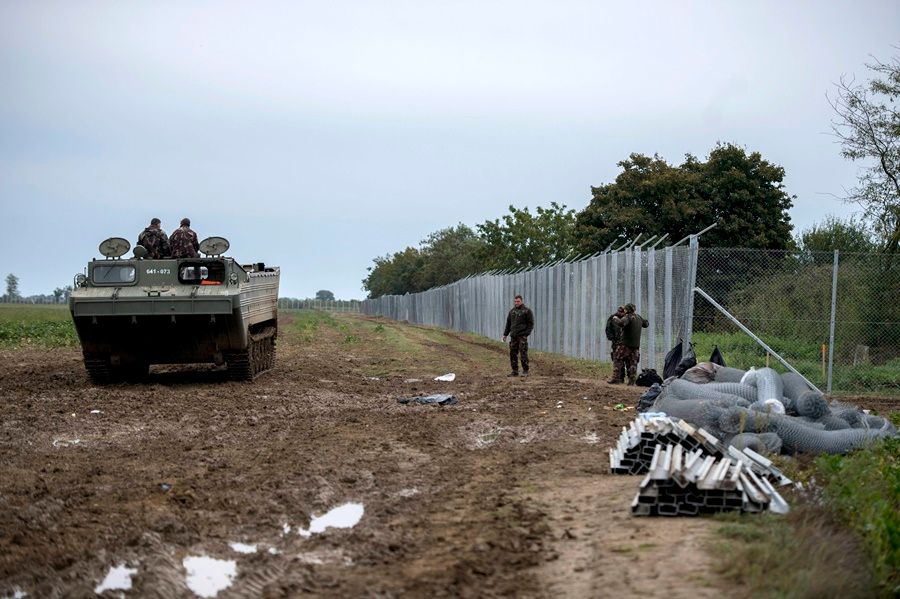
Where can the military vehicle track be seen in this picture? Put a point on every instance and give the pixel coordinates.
(259, 356)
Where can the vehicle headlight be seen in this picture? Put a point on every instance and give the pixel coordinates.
(233, 279)
(80, 280)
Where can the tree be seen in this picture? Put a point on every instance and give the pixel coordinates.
(325, 295)
(449, 255)
(867, 125)
(741, 192)
(12, 287)
(394, 275)
(847, 235)
(521, 238)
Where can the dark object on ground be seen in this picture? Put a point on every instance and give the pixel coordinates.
(717, 358)
(647, 377)
(648, 397)
(688, 360)
(672, 360)
(440, 399)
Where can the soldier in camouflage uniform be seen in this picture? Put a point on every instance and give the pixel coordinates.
(628, 353)
(614, 332)
(519, 323)
(154, 240)
(184, 241)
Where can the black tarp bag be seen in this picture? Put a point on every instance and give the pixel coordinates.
(647, 377)
(688, 360)
(672, 360)
(716, 357)
(648, 398)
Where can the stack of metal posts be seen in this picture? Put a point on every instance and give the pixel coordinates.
(690, 472)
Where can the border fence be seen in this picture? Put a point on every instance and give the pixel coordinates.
(833, 316)
(571, 301)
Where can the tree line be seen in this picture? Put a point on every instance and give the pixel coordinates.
(739, 191)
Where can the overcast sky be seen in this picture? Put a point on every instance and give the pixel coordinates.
(318, 135)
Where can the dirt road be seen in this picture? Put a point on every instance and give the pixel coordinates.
(505, 493)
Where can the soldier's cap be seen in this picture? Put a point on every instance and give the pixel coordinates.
(155, 221)
(185, 222)
(629, 307)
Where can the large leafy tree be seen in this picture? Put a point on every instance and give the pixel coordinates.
(867, 125)
(394, 274)
(449, 255)
(741, 192)
(325, 295)
(523, 238)
(846, 235)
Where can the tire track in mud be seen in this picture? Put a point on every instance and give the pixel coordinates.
(445, 513)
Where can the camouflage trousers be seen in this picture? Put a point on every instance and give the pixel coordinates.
(625, 361)
(518, 347)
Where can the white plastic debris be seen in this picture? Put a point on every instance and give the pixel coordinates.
(446, 378)
(96, 412)
(206, 576)
(347, 515)
(242, 547)
(117, 579)
(65, 442)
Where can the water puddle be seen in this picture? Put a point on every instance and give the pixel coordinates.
(343, 516)
(117, 579)
(206, 576)
(242, 547)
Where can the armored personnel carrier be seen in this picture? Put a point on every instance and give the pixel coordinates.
(134, 312)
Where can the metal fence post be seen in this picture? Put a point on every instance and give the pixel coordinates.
(692, 282)
(834, 282)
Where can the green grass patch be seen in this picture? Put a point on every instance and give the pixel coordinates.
(841, 539)
(37, 326)
(741, 351)
(864, 489)
(306, 323)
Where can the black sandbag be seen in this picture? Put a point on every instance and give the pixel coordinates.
(688, 360)
(672, 360)
(717, 358)
(647, 377)
(645, 403)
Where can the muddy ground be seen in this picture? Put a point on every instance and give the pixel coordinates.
(505, 493)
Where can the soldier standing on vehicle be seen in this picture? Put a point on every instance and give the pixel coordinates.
(519, 323)
(154, 240)
(614, 332)
(184, 241)
(628, 353)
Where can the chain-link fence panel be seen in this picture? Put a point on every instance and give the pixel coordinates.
(832, 316)
(353, 306)
(571, 302)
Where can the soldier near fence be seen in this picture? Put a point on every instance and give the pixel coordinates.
(184, 241)
(155, 240)
(628, 352)
(519, 324)
(614, 332)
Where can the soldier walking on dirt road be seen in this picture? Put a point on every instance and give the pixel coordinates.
(628, 353)
(519, 323)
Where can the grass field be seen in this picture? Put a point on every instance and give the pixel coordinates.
(741, 351)
(36, 326)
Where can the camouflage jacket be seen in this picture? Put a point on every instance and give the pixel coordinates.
(519, 322)
(631, 329)
(155, 241)
(184, 243)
